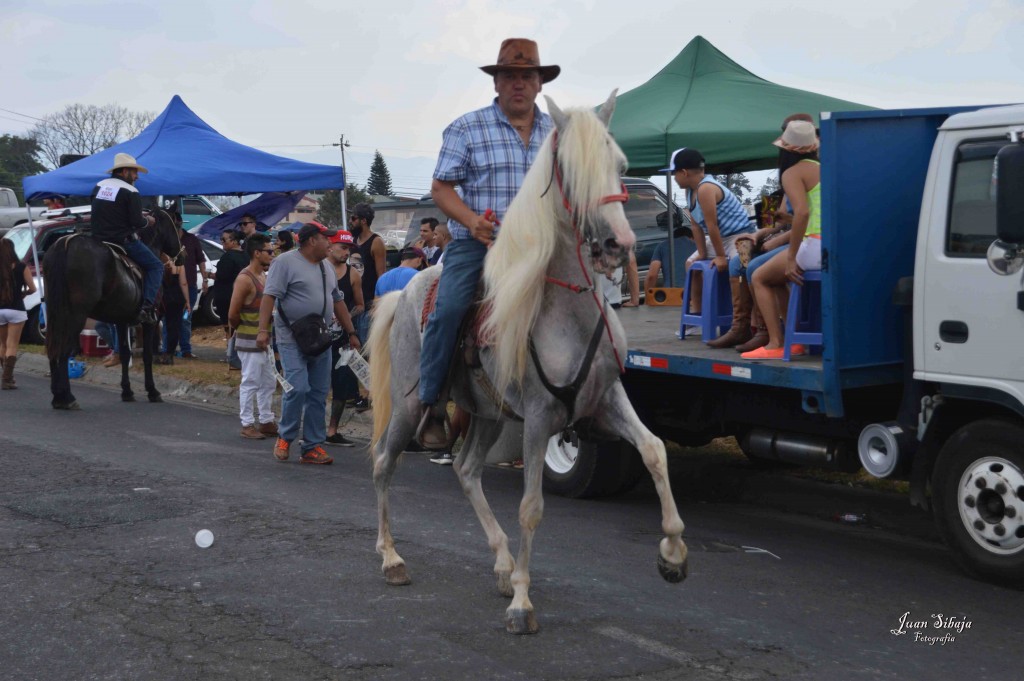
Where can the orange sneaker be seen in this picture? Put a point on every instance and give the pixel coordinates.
(281, 450)
(316, 455)
(797, 349)
(764, 353)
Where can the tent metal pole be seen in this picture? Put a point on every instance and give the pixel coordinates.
(35, 253)
(671, 210)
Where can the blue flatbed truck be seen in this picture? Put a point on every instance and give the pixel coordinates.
(921, 375)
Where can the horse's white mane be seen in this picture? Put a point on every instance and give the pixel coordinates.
(535, 227)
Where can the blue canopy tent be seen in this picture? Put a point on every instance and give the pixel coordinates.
(184, 155)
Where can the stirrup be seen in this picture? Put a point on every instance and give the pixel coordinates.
(427, 434)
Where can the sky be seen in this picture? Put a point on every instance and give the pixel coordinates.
(291, 77)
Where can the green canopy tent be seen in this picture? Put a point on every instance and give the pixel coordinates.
(705, 100)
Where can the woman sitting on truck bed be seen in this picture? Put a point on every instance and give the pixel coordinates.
(800, 174)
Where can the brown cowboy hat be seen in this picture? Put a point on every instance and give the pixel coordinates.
(521, 53)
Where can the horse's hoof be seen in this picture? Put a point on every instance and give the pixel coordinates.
(396, 575)
(521, 622)
(671, 572)
(155, 397)
(127, 397)
(66, 406)
(505, 584)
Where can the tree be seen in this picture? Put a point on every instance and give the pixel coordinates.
(737, 183)
(86, 129)
(770, 186)
(18, 160)
(379, 183)
(329, 212)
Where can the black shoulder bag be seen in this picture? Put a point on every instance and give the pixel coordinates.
(311, 332)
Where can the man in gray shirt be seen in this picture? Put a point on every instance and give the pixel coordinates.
(301, 284)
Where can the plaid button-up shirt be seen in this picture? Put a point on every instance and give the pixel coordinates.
(486, 157)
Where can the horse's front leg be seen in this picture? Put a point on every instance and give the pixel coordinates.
(617, 416)
(124, 348)
(385, 459)
(482, 435)
(149, 341)
(519, 617)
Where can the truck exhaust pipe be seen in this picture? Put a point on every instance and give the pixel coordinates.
(803, 450)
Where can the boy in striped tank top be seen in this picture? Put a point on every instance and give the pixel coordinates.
(258, 379)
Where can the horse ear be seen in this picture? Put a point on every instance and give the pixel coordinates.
(557, 115)
(608, 108)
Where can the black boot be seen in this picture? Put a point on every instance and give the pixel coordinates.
(147, 313)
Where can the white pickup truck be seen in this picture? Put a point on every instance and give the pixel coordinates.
(11, 213)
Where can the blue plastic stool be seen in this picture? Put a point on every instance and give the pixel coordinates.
(715, 305)
(803, 317)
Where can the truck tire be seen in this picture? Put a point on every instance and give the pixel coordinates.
(34, 331)
(978, 499)
(578, 468)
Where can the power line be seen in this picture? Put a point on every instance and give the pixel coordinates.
(20, 114)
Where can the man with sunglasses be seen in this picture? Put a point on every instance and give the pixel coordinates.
(258, 380)
(247, 226)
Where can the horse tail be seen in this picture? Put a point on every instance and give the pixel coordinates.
(61, 338)
(379, 346)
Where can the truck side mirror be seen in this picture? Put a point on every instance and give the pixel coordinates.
(1010, 194)
(1006, 254)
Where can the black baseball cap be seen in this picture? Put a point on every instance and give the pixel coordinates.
(310, 228)
(684, 159)
(362, 210)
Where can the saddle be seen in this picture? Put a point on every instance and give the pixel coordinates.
(121, 256)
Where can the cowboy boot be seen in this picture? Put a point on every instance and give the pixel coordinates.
(8, 378)
(741, 303)
(760, 338)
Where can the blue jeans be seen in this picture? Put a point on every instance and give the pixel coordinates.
(737, 270)
(463, 264)
(361, 323)
(152, 268)
(186, 322)
(306, 403)
(108, 332)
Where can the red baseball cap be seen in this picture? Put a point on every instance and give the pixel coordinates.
(342, 237)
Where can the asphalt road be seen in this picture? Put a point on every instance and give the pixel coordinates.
(100, 577)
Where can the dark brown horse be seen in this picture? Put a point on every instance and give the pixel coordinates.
(84, 279)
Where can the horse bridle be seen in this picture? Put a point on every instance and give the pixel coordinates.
(567, 394)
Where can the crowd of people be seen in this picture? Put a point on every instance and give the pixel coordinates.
(275, 297)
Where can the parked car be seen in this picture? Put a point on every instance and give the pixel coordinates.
(67, 221)
(11, 213)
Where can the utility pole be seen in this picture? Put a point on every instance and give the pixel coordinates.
(344, 174)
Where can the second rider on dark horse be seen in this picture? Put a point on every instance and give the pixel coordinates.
(117, 216)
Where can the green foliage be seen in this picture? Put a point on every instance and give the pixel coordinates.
(329, 212)
(18, 160)
(379, 183)
(737, 183)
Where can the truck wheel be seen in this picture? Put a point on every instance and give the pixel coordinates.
(578, 468)
(978, 496)
(206, 310)
(34, 331)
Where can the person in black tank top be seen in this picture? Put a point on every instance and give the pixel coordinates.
(344, 385)
(372, 253)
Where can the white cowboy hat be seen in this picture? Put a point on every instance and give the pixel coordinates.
(126, 161)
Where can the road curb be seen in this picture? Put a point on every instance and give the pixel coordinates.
(221, 398)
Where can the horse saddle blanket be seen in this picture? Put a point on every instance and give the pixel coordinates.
(470, 336)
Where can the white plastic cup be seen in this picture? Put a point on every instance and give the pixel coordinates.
(204, 539)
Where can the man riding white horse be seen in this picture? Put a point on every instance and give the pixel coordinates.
(485, 153)
(117, 216)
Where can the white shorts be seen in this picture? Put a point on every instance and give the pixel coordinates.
(728, 243)
(809, 255)
(12, 317)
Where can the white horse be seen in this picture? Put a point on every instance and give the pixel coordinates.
(554, 353)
